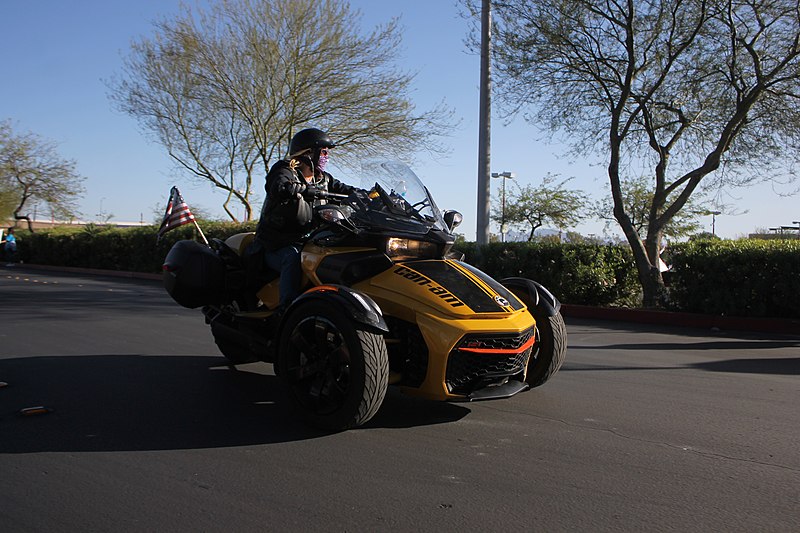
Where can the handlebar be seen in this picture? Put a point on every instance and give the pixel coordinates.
(312, 193)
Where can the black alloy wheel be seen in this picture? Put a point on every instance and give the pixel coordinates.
(336, 371)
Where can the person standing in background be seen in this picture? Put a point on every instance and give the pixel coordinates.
(10, 247)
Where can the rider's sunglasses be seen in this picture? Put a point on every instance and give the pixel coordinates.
(324, 151)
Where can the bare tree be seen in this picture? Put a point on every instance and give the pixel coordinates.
(700, 92)
(533, 206)
(225, 89)
(32, 172)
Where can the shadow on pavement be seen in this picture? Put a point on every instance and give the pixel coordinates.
(789, 366)
(134, 402)
(765, 344)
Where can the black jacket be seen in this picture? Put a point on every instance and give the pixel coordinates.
(286, 219)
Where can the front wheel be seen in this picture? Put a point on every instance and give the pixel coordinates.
(550, 348)
(551, 339)
(335, 371)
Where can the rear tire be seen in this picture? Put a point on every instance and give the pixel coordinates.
(336, 372)
(235, 353)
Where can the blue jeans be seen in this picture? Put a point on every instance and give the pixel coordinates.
(286, 261)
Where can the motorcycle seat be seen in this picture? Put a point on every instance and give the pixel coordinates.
(244, 259)
(257, 273)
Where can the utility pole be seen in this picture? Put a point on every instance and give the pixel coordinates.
(484, 133)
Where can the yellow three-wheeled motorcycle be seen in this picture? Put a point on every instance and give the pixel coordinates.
(386, 302)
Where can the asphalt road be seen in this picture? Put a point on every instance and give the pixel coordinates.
(643, 429)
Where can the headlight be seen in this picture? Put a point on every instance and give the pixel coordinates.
(401, 249)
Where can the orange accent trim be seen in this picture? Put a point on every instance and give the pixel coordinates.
(323, 288)
(501, 350)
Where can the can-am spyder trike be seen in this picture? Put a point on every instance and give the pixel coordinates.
(386, 302)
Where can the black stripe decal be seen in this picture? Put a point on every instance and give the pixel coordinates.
(513, 301)
(482, 283)
(447, 277)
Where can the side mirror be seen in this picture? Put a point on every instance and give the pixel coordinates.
(452, 219)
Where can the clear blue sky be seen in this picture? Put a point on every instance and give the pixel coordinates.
(56, 56)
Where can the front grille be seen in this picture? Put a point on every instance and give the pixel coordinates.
(480, 360)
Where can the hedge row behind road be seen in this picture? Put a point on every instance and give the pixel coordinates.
(735, 278)
(749, 278)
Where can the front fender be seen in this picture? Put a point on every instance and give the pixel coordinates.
(536, 294)
(358, 306)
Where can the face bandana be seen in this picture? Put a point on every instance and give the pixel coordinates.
(323, 162)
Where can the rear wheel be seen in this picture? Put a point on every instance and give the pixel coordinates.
(227, 334)
(336, 372)
(235, 352)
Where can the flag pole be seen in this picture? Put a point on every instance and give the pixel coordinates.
(201, 232)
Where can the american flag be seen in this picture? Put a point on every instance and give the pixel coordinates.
(176, 215)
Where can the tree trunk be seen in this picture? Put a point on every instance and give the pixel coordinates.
(645, 255)
(650, 278)
(653, 289)
(26, 194)
(25, 218)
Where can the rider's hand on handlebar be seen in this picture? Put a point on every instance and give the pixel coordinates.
(312, 193)
(293, 188)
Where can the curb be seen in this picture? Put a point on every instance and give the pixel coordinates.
(689, 320)
(94, 271)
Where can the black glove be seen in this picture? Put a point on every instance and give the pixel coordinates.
(312, 193)
(293, 188)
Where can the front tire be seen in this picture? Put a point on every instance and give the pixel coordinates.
(336, 372)
(551, 338)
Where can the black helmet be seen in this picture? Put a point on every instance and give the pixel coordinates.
(309, 139)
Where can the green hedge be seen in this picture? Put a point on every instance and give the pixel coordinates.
(110, 248)
(735, 278)
(754, 278)
(587, 274)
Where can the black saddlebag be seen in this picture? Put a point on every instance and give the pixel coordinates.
(194, 274)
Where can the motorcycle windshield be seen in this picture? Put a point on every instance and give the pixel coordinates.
(405, 203)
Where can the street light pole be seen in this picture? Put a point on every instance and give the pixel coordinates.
(505, 176)
(714, 221)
